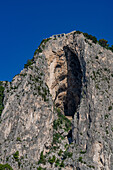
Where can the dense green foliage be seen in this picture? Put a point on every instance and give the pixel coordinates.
(5, 167)
(52, 160)
(62, 164)
(93, 38)
(103, 43)
(16, 155)
(42, 159)
(82, 152)
(80, 159)
(57, 163)
(1, 98)
(61, 120)
(60, 152)
(110, 108)
(56, 138)
(78, 32)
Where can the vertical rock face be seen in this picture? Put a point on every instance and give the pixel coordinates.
(79, 76)
(65, 75)
(82, 86)
(26, 122)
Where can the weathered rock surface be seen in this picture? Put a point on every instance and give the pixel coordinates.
(79, 76)
(26, 122)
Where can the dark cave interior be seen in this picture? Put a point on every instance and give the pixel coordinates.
(74, 83)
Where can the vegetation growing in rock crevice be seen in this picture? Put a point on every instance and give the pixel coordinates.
(110, 108)
(1, 98)
(41, 46)
(52, 160)
(40, 168)
(29, 63)
(5, 167)
(61, 120)
(39, 50)
(56, 156)
(40, 87)
(44, 41)
(42, 159)
(16, 157)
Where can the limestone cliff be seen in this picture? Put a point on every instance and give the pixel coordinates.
(58, 111)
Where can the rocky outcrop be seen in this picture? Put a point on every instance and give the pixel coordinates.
(26, 122)
(80, 81)
(65, 75)
(77, 76)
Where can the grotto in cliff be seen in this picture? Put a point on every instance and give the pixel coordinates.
(57, 114)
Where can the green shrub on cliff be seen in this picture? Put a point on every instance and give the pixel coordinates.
(93, 38)
(16, 155)
(103, 43)
(67, 155)
(57, 163)
(78, 32)
(39, 50)
(61, 120)
(5, 167)
(88, 36)
(52, 160)
(111, 48)
(29, 63)
(41, 46)
(42, 159)
(40, 168)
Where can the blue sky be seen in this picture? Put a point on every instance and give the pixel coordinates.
(24, 23)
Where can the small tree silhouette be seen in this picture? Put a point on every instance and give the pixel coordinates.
(103, 43)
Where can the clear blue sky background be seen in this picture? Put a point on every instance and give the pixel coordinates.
(24, 23)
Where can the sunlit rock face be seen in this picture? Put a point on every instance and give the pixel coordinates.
(65, 75)
(75, 75)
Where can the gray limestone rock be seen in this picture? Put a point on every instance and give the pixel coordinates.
(73, 74)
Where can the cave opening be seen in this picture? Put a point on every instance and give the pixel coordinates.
(74, 83)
